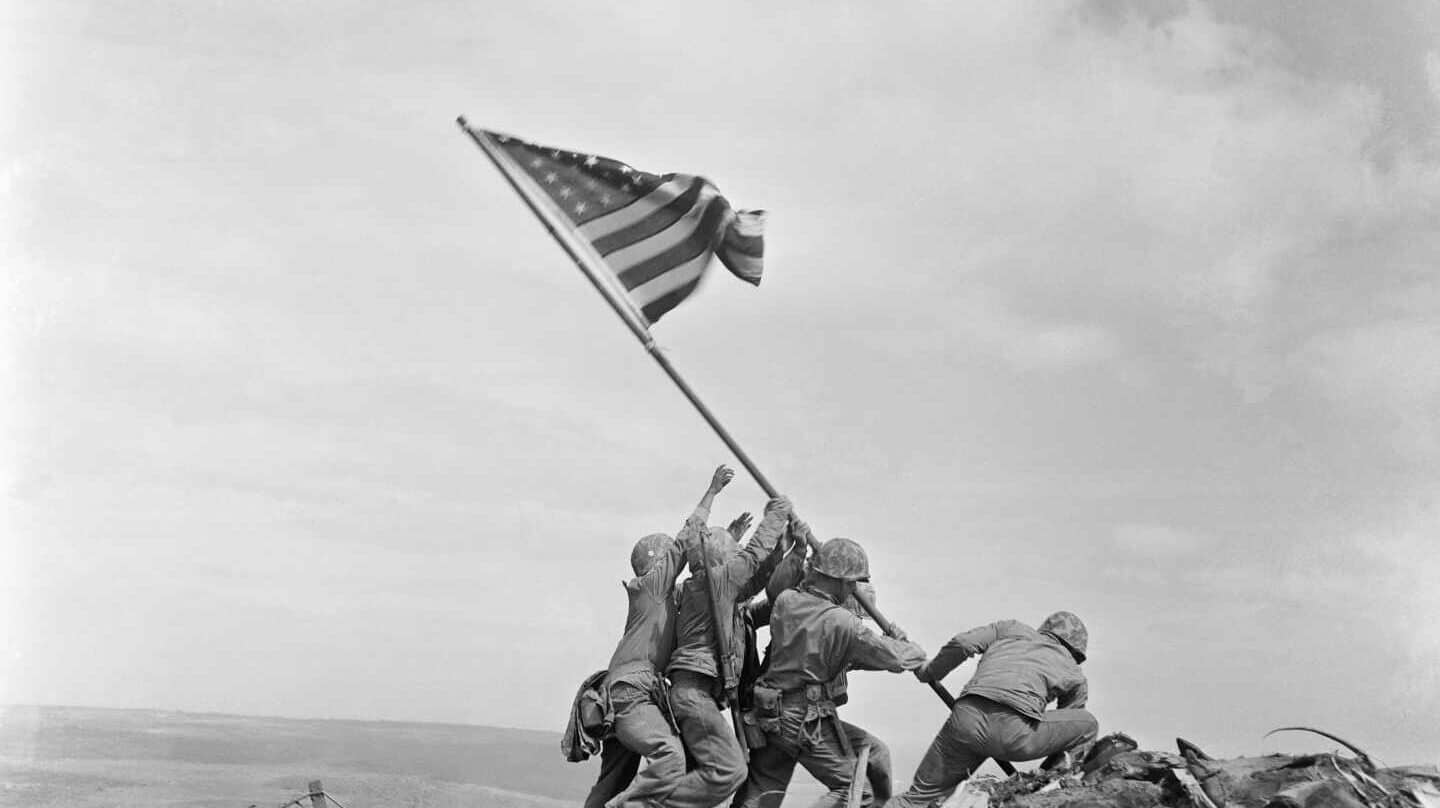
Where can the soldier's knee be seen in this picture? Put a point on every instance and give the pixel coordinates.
(725, 777)
(879, 753)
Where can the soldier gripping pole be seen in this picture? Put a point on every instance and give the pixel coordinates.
(722, 652)
(583, 260)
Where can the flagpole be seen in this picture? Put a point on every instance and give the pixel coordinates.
(543, 210)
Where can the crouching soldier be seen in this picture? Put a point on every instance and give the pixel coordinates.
(1001, 712)
(814, 640)
(700, 682)
(642, 727)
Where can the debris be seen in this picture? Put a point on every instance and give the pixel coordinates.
(1117, 773)
(1186, 784)
(1359, 753)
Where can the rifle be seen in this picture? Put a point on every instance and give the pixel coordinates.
(722, 655)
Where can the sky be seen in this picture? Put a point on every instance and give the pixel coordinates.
(1130, 309)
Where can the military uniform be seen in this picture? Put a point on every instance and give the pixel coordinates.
(718, 765)
(814, 640)
(637, 692)
(1001, 712)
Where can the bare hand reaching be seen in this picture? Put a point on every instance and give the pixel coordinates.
(741, 524)
(722, 477)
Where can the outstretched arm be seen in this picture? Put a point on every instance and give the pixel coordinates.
(721, 478)
(960, 648)
(742, 569)
(689, 538)
(870, 651)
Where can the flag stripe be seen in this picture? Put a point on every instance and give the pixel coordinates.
(743, 267)
(656, 310)
(645, 239)
(752, 246)
(667, 283)
(652, 224)
(697, 243)
(673, 186)
(678, 230)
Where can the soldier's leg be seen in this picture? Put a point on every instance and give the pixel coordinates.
(1056, 731)
(617, 768)
(719, 767)
(825, 757)
(643, 729)
(878, 772)
(952, 757)
(771, 767)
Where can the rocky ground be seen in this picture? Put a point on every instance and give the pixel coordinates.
(1116, 773)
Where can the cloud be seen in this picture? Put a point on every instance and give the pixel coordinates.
(1156, 541)
(1032, 344)
(1403, 546)
(1432, 73)
(1386, 371)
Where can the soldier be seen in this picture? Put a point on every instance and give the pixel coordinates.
(1001, 712)
(637, 694)
(700, 686)
(814, 640)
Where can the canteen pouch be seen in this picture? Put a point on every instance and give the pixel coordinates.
(754, 736)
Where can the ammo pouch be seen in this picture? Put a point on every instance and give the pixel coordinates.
(595, 714)
(767, 708)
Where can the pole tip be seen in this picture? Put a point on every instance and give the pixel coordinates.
(460, 119)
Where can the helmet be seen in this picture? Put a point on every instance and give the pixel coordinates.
(719, 546)
(1070, 631)
(842, 559)
(642, 558)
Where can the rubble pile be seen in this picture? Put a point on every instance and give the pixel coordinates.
(1116, 773)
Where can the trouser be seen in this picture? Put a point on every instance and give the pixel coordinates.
(979, 728)
(717, 764)
(641, 730)
(773, 769)
(815, 744)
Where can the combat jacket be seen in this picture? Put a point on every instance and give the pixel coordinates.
(736, 581)
(814, 640)
(645, 647)
(1019, 667)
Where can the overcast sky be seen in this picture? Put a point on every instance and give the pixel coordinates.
(1131, 309)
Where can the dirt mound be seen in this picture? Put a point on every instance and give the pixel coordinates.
(1116, 773)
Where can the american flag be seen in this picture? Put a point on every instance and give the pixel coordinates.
(656, 233)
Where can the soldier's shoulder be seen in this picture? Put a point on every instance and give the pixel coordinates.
(1015, 628)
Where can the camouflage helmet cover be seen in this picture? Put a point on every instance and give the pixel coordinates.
(1070, 631)
(843, 559)
(719, 546)
(642, 558)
